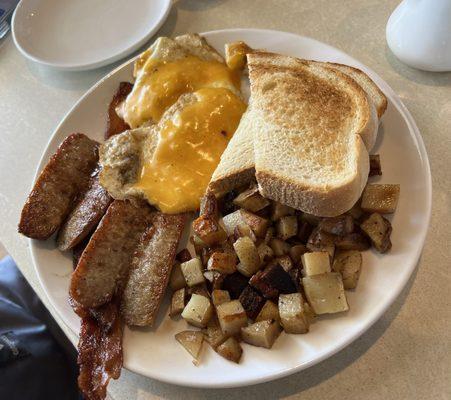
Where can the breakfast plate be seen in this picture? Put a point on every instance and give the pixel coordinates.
(82, 35)
(153, 352)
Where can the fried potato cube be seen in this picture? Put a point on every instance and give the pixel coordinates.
(231, 221)
(341, 225)
(209, 205)
(209, 230)
(287, 227)
(378, 230)
(251, 301)
(248, 255)
(251, 200)
(296, 252)
(230, 349)
(259, 225)
(243, 230)
(285, 262)
(353, 241)
(191, 342)
(380, 198)
(375, 165)
(279, 247)
(177, 280)
(198, 311)
(220, 296)
(348, 264)
(234, 284)
(316, 263)
(265, 252)
(279, 210)
(193, 272)
(177, 302)
(325, 293)
(293, 314)
(214, 335)
(223, 262)
(261, 334)
(311, 219)
(270, 232)
(269, 311)
(236, 54)
(232, 317)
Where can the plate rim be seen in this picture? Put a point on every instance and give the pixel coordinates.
(89, 65)
(414, 133)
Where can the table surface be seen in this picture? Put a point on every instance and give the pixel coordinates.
(407, 353)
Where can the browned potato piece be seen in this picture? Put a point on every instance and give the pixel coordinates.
(353, 241)
(209, 206)
(270, 232)
(244, 230)
(236, 54)
(316, 263)
(183, 255)
(248, 255)
(261, 334)
(322, 241)
(269, 311)
(215, 278)
(340, 225)
(176, 280)
(356, 211)
(310, 218)
(279, 210)
(223, 262)
(325, 293)
(231, 316)
(287, 227)
(285, 262)
(348, 264)
(193, 271)
(230, 349)
(177, 302)
(220, 296)
(378, 230)
(198, 311)
(201, 290)
(192, 342)
(214, 335)
(296, 253)
(293, 314)
(279, 247)
(209, 230)
(380, 198)
(258, 224)
(198, 244)
(265, 252)
(375, 165)
(251, 200)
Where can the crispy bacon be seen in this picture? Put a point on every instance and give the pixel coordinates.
(116, 124)
(99, 349)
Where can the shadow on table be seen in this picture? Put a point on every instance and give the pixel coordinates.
(197, 5)
(300, 381)
(415, 75)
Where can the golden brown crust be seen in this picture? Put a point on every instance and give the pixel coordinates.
(85, 216)
(62, 179)
(150, 269)
(103, 267)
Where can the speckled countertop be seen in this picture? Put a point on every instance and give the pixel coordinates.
(407, 353)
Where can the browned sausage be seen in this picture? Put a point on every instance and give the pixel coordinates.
(66, 174)
(90, 208)
(103, 267)
(150, 270)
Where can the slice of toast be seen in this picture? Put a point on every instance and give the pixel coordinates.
(66, 174)
(309, 122)
(237, 165)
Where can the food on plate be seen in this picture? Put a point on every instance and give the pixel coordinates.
(187, 104)
(285, 209)
(102, 270)
(99, 349)
(115, 124)
(66, 175)
(82, 220)
(150, 269)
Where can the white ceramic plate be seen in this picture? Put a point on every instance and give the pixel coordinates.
(154, 352)
(84, 34)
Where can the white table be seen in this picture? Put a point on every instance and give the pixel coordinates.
(407, 353)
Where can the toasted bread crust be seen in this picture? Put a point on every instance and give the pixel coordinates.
(151, 268)
(66, 174)
(90, 208)
(103, 267)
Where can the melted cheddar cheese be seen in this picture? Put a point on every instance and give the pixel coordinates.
(189, 149)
